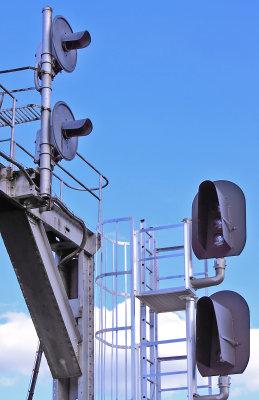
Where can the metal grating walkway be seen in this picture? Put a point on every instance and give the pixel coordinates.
(28, 113)
(166, 300)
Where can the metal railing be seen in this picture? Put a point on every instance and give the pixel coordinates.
(32, 112)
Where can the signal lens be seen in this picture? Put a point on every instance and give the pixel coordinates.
(218, 240)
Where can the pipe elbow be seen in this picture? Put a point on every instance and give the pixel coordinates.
(224, 384)
(223, 395)
(220, 266)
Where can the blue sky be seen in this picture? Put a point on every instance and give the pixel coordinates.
(172, 91)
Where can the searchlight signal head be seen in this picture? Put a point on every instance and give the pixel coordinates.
(81, 127)
(65, 44)
(222, 334)
(65, 131)
(75, 41)
(218, 220)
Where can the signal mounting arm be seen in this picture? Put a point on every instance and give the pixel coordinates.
(223, 384)
(220, 266)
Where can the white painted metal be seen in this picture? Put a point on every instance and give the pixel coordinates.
(147, 362)
(143, 314)
(115, 313)
(190, 346)
(187, 223)
(190, 312)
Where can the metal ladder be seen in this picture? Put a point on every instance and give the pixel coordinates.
(148, 354)
(154, 301)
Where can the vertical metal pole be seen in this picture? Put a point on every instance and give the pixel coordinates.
(46, 65)
(126, 321)
(61, 189)
(86, 326)
(190, 344)
(113, 314)
(152, 352)
(187, 226)
(100, 200)
(116, 316)
(134, 350)
(105, 318)
(206, 294)
(190, 311)
(101, 322)
(60, 386)
(158, 366)
(12, 145)
(143, 321)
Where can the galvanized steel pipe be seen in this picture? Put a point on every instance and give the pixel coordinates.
(220, 266)
(46, 66)
(187, 225)
(190, 344)
(224, 384)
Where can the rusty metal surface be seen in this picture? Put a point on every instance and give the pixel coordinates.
(27, 113)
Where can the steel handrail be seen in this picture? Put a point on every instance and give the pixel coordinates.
(83, 188)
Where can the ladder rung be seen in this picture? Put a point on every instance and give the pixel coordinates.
(162, 249)
(149, 344)
(171, 277)
(182, 388)
(165, 373)
(160, 257)
(174, 388)
(173, 358)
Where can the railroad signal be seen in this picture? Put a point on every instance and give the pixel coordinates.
(218, 220)
(65, 131)
(222, 334)
(65, 44)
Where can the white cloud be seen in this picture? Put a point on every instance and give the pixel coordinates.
(171, 325)
(18, 345)
(5, 382)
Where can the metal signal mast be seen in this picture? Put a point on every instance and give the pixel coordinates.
(51, 249)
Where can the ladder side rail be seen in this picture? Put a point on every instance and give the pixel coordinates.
(113, 313)
(206, 274)
(133, 289)
(157, 363)
(116, 316)
(152, 320)
(126, 322)
(143, 327)
(151, 260)
(190, 313)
